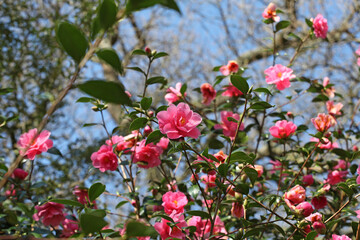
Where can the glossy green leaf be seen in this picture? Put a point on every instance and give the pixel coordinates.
(107, 13)
(138, 229)
(96, 190)
(67, 202)
(240, 83)
(242, 188)
(136, 5)
(240, 157)
(158, 79)
(139, 52)
(91, 223)
(223, 169)
(160, 54)
(215, 144)
(138, 123)
(311, 235)
(154, 137)
(261, 105)
(55, 151)
(85, 99)
(201, 214)
(263, 90)
(111, 57)
(251, 173)
(309, 22)
(146, 103)
(281, 25)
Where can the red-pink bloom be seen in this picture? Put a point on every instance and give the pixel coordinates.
(295, 196)
(231, 91)
(315, 217)
(221, 156)
(82, 195)
(34, 146)
(19, 173)
(325, 144)
(329, 91)
(323, 122)
(209, 180)
(179, 121)
(174, 94)
(358, 213)
(342, 164)
(358, 53)
(237, 210)
(166, 231)
(51, 214)
(229, 127)
(174, 202)
(319, 202)
(259, 169)
(270, 12)
(208, 93)
(104, 159)
(11, 191)
(70, 227)
(334, 177)
(282, 129)
(231, 67)
(308, 180)
(163, 143)
(147, 130)
(279, 75)
(199, 224)
(320, 26)
(319, 227)
(358, 177)
(219, 227)
(147, 156)
(304, 209)
(120, 142)
(355, 148)
(334, 109)
(342, 237)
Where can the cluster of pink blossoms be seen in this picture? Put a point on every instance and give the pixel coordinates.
(229, 127)
(174, 94)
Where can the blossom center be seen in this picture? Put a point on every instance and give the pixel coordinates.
(279, 74)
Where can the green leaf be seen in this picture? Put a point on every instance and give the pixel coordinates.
(163, 216)
(154, 137)
(110, 57)
(311, 235)
(139, 52)
(251, 173)
(146, 103)
(240, 83)
(295, 36)
(138, 123)
(4, 91)
(67, 202)
(90, 223)
(55, 151)
(242, 188)
(136, 69)
(95, 28)
(85, 99)
(341, 153)
(263, 90)
(201, 214)
(215, 144)
(261, 105)
(183, 89)
(240, 157)
(107, 91)
(90, 124)
(309, 22)
(96, 190)
(160, 54)
(320, 98)
(344, 187)
(223, 169)
(107, 13)
(136, 5)
(121, 204)
(281, 25)
(138, 229)
(72, 40)
(158, 79)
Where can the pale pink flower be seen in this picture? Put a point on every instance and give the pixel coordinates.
(315, 217)
(342, 164)
(219, 227)
(174, 94)
(334, 109)
(320, 26)
(51, 214)
(104, 159)
(358, 213)
(174, 202)
(163, 143)
(358, 53)
(147, 156)
(282, 129)
(120, 142)
(279, 75)
(208, 93)
(32, 145)
(328, 91)
(308, 180)
(325, 144)
(19, 173)
(295, 196)
(358, 177)
(342, 237)
(259, 169)
(237, 210)
(166, 231)
(179, 121)
(229, 127)
(323, 122)
(304, 209)
(334, 177)
(231, 91)
(319, 202)
(231, 67)
(270, 12)
(70, 227)
(199, 224)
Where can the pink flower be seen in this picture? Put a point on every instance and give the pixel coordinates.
(51, 214)
(208, 93)
(325, 144)
(231, 67)
(282, 129)
(219, 227)
(34, 146)
(163, 143)
(279, 75)
(174, 94)
(334, 109)
(209, 180)
(295, 196)
(320, 26)
(19, 173)
(104, 159)
(231, 91)
(221, 156)
(328, 91)
(147, 156)
(315, 217)
(323, 122)
(82, 195)
(319, 202)
(199, 224)
(270, 12)
(70, 227)
(308, 180)
(237, 210)
(229, 127)
(319, 227)
(11, 192)
(342, 164)
(304, 209)
(342, 237)
(174, 202)
(259, 169)
(358, 213)
(358, 177)
(334, 177)
(166, 231)
(358, 53)
(179, 121)
(120, 142)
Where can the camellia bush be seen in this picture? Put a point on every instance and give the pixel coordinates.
(213, 182)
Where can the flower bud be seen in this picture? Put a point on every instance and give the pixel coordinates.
(319, 227)
(147, 130)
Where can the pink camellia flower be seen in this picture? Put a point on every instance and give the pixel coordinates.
(19, 173)
(358, 213)
(319, 202)
(229, 127)
(199, 224)
(167, 232)
(355, 148)
(179, 121)
(259, 169)
(163, 143)
(334, 109)
(325, 144)
(358, 177)
(174, 94)
(208, 93)
(342, 237)
(358, 53)
(11, 192)
(231, 67)
(120, 142)
(174, 202)
(231, 91)
(322, 122)
(209, 180)
(70, 227)
(282, 129)
(270, 12)
(315, 217)
(51, 214)
(334, 177)
(237, 210)
(319, 227)
(219, 227)
(304, 209)
(308, 180)
(320, 26)
(295, 196)
(342, 164)
(329, 91)
(104, 159)
(221, 156)
(147, 156)
(82, 196)
(279, 75)
(34, 146)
